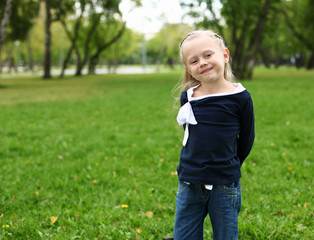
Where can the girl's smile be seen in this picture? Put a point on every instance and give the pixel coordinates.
(206, 70)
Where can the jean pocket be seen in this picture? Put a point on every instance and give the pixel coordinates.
(230, 188)
(232, 185)
(182, 186)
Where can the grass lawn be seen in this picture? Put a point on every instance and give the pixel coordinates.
(95, 157)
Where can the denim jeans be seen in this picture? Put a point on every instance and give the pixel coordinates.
(194, 202)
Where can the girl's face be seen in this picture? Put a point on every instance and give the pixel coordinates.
(204, 59)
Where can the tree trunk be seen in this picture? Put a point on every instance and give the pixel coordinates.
(310, 63)
(257, 40)
(5, 21)
(79, 63)
(92, 64)
(10, 58)
(238, 56)
(65, 62)
(73, 44)
(265, 59)
(94, 58)
(47, 59)
(82, 63)
(30, 54)
(4, 24)
(72, 38)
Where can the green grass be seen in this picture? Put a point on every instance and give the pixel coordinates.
(81, 149)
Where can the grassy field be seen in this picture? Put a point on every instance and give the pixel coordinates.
(95, 157)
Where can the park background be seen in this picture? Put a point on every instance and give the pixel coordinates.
(87, 152)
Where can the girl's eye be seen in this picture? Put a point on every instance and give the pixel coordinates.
(208, 55)
(194, 61)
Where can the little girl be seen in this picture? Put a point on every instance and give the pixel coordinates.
(219, 132)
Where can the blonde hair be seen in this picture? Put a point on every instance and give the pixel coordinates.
(188, 80)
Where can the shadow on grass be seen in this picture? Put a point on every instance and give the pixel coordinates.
(3, 86)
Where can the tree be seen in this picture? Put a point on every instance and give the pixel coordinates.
(100, 45)
(15, 26)
(124, 51)
(164, 47)
(64, 11)
(55, 11)
(96, 11)
(86, 48)
(4, 22)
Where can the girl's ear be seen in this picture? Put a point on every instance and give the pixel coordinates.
(226, 55)
(187, 69)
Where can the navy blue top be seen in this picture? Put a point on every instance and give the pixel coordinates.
(220, 141)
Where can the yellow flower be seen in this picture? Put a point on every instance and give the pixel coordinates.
(124, 206)
(53, 219)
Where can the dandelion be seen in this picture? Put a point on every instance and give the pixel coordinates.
(124, 206)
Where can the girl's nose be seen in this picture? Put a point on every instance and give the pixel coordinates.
(203, 62)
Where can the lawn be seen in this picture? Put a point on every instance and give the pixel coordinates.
(95, 157)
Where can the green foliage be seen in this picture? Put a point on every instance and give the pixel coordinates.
(86, 23)
(22, 18)
(125, 49)
(282, 42)
(34, 44)
(165, 45)
(100, 152)
(298, 16)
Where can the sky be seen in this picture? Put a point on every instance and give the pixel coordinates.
(151, 16)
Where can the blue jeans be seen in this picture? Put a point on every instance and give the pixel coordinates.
(194, 202)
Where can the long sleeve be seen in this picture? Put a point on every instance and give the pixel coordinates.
(183, 98)
(247, 130)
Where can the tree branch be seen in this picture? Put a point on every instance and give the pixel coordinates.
(293, 29)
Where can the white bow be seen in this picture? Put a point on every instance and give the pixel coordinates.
(186, 116)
